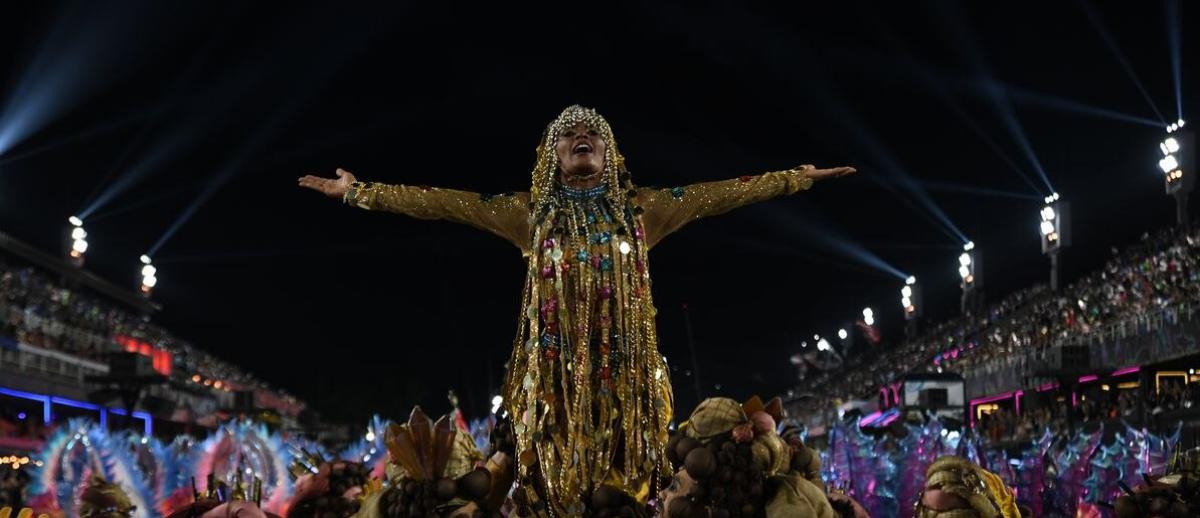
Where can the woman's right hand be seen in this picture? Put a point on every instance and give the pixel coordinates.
(331, 187)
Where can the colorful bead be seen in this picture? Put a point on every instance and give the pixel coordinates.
(605, 293)
(581, 255)
(606, 264)
(677, 192)
(745, 178)
(548, 243)
(596, 260)
(548, 271)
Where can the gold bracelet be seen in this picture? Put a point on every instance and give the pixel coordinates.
(351, 196)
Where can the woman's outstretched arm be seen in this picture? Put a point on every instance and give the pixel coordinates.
(668, 210)
(506, 215)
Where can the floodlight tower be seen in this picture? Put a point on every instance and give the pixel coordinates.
(1178, 166)
(1055, 231)
(149, 276)
(913, 304)
(970, 272)
(76, 242)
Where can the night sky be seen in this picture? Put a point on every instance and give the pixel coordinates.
(187, 123)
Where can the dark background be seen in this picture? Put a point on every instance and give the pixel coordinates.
(188, 123)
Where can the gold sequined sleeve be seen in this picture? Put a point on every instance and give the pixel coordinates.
(506, 215)
(668, 210)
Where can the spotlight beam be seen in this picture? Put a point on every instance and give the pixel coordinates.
(217, 181)
(974, 58)
(135, 173)
(273, 121)
(821, 231)
(978, 191)
(824, 97)
(934, 80)
(1043, 100)
(142, 202)
(861, 260)
(82, 135)
(1009, 119)
(888, 162)
(991, 143)
(76, 57)
(1098, 24)
(1175, 47)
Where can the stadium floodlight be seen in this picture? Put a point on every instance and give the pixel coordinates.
(149, 276)
(1177, 166)
(1168, 163)
(869, 316)
(76, 243)
(823, 345)
(910, 298)
(1054, 231)
(969, 270)
(842, 334)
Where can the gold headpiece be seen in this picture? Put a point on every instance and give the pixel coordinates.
(428, 451)
(102, 499)
(545, 172)
(987, 495)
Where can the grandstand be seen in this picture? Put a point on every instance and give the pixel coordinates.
(75, 345)
(1119, 345)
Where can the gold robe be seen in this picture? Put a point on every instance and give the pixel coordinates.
(589, 393)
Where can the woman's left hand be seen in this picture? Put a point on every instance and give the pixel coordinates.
(810, 171)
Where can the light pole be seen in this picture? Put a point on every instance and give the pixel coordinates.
(77, 244)
(1177, 166)
(969, 271)
(1055, 231)
(914, 307)
(149, 276)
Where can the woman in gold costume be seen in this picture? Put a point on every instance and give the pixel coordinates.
(586, 385)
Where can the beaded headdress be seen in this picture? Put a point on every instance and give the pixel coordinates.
(545, 172)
